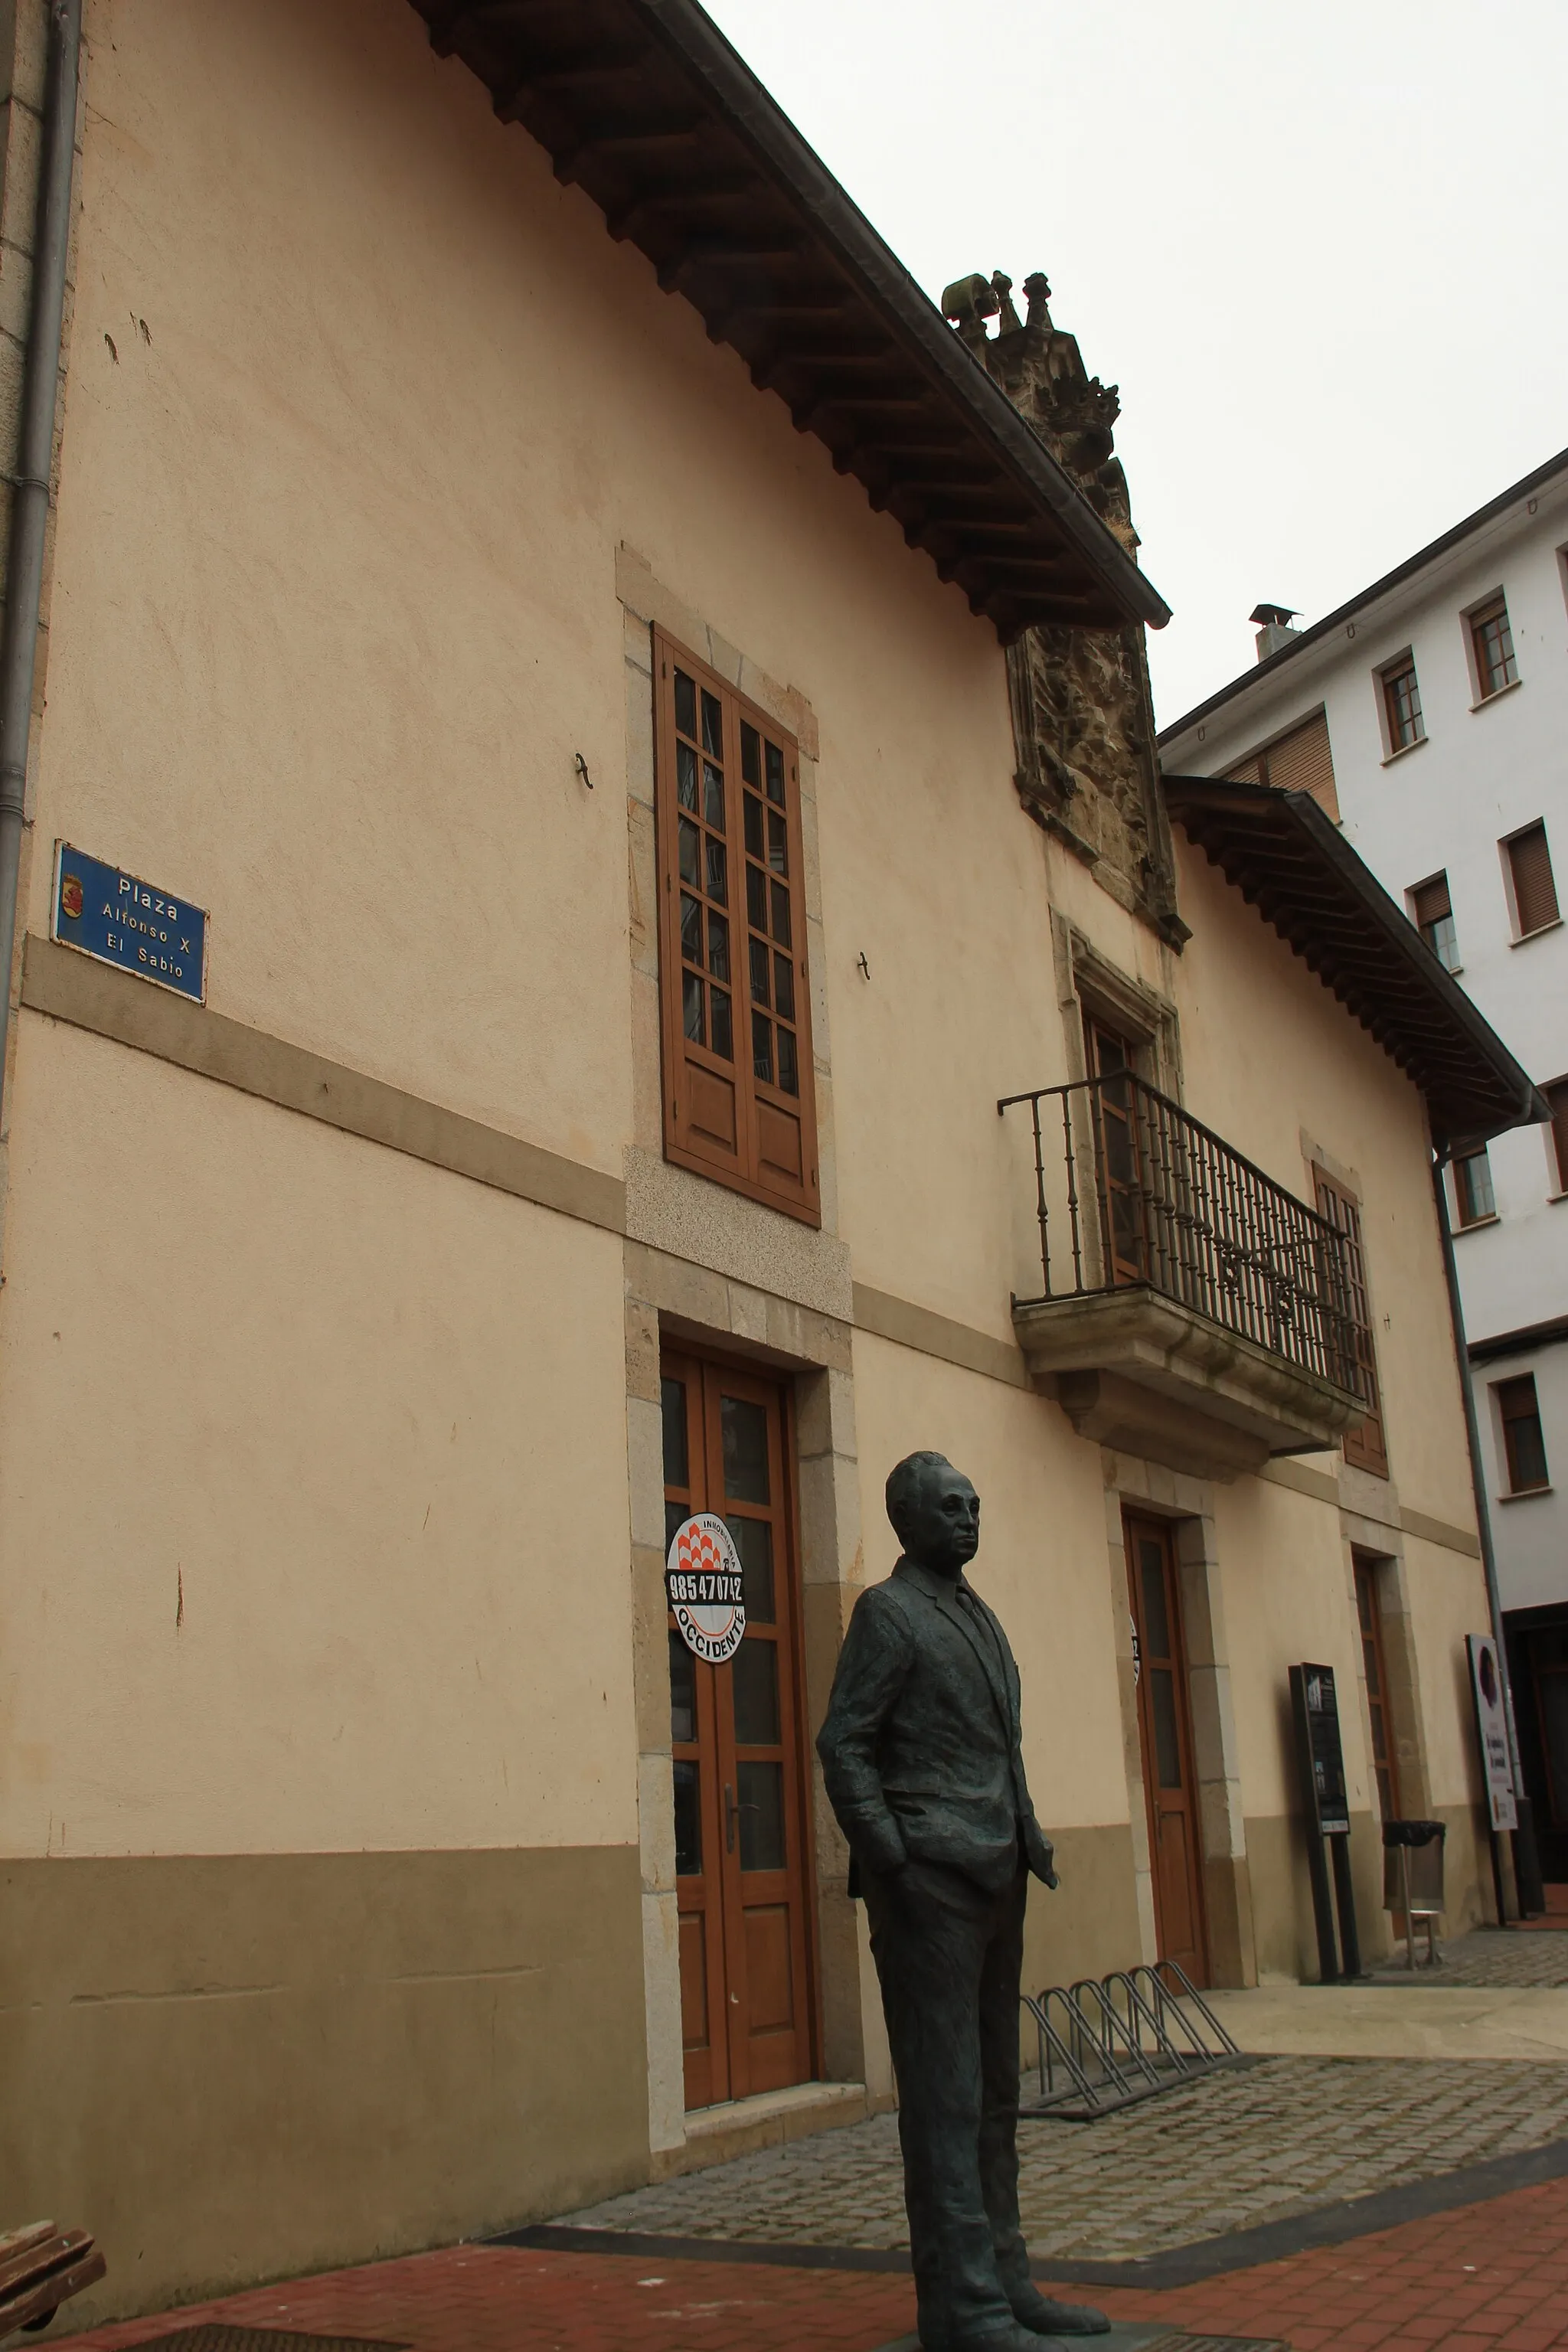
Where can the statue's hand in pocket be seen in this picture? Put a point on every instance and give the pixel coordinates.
(1040, 1851)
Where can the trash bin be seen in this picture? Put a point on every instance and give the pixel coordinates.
(1412, 1878)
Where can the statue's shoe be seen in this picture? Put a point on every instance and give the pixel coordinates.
(1043, 2316)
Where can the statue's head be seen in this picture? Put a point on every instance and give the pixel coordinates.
(936, 1512)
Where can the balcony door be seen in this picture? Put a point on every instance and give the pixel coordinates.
(739, 1822)
(1165, 1741)
(1119, 1154)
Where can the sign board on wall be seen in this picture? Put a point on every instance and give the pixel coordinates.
(1492, 1729)
(105, 912)
(702, 1580)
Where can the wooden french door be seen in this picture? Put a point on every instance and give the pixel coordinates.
(1120, 1155)
(1385, 1765)
(740, 1814)
(1165, 1739)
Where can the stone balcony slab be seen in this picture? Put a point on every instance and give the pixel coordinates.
(1149, 1375)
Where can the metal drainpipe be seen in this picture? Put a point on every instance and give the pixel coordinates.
(35, 457)
(1527, 1863)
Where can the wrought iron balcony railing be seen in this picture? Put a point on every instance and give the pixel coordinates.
(1129, 1189)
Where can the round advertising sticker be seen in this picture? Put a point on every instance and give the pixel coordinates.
(702, 1578)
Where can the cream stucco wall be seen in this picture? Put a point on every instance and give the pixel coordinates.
(311, 1545)
(1041, 1562)
(1285, 1600)
(1042, 1567)
(334, 607)
(336, 551)
(1334, 1088)
(1449, 1609)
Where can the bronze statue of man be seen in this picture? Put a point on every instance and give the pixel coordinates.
(921, 1759)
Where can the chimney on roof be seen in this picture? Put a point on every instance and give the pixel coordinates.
(1274, 629)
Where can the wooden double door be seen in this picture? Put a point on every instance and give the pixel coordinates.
(1166, 1739)
(740, 1851)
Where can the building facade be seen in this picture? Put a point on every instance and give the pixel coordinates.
(654, 722)
(1430, 713)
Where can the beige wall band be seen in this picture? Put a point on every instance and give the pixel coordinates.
(67, 986)
(70, 986)
(909, 1325)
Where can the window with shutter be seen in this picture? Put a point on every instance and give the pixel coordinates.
(1557, 1096)
(738, 1094)
(1432, 911)
(1491, 645)
(1300, 762)
(1534, 889)
(1402, 705)
(1523, 1442)
(1473, 1193)
(1363, 1448)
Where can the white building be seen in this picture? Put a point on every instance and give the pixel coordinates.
(1430, 716)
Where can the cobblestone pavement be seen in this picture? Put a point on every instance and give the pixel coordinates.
(1534, 1959)
(1485, 2278)
(1227, 2153)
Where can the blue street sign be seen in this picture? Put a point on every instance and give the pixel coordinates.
(122, 920)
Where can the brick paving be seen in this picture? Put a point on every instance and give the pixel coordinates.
(1225, 2153)
(510, 2299)
(1486, 1957)
(1487, 2278)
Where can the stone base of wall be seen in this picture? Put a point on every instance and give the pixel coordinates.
(233, 2068)
(1089, 1925)
(1282, 1893)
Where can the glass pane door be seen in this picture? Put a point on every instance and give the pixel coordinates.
(739, 1811)
(1164, 1728)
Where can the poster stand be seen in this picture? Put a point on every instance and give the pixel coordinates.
(1321, 1758)
(1489, 1693)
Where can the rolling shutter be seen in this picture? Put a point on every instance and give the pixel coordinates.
(1431, 902)
(1534, 889)
(1300, 761)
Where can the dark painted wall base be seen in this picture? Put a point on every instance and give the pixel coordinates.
(237, 2067)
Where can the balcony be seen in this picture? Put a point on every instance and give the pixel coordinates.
(1192, 1310)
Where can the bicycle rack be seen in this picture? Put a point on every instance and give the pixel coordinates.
(1106, 2042)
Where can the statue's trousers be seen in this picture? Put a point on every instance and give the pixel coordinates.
(949, 1958)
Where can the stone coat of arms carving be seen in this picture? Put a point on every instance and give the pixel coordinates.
(1083, 717)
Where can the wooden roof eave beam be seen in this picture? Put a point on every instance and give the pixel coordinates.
(643, 204)
(569, 161)
(695, 112)
(560, 81)
(450, 19)
(718, 258)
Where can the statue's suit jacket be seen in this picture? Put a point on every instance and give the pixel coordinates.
(920, 1750)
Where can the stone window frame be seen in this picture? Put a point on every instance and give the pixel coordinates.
(695, 1215)
(1091, 983)
(1381, 1548)
(701, 1068)
(1188, 1504)
(708, 1266)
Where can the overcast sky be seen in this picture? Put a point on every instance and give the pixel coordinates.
(1321, 249)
